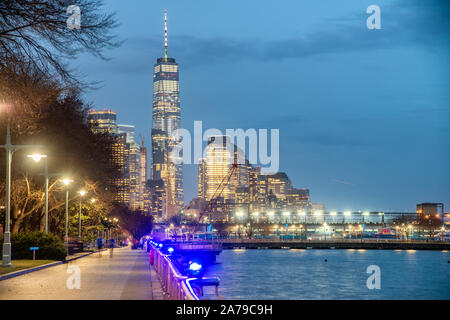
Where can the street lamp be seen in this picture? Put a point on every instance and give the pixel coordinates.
(37, 157)
(9, 151)
(66, 182)
(82, 193)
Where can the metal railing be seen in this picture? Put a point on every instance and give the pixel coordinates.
(174, 284)
(328, 240)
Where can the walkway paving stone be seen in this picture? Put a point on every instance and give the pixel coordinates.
(126, 275)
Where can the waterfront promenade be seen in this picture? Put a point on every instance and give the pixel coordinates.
(125, 276)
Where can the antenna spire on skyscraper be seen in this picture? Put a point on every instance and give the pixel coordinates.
(165, 34)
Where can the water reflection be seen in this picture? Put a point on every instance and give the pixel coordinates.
(331, 274)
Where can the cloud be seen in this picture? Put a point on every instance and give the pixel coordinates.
(343, 182)
(403, 23)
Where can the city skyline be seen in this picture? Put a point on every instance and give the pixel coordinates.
(351, 158)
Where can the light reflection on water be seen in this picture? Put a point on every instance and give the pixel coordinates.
(304, 274)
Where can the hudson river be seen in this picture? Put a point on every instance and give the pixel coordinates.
(304, 274)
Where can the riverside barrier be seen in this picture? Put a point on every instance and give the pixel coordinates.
(175, 285)
(335, 244)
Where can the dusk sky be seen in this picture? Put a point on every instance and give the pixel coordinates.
(363, 114)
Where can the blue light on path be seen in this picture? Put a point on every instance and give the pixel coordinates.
(194, 266)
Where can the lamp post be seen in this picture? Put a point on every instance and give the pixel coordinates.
(37, 158)
(66, 182)
(82, 193)
(9, 150)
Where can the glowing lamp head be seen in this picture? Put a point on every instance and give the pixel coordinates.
(93, 200)
(170, 250)
(66, 181)
(160, 245)
(82, 192)
(195, 267)
(37, 157)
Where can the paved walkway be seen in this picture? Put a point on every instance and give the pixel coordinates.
(124, 276)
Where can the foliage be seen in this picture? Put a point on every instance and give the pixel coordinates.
(135, 222)
(36, 32)
(50, 247)
(41, 99)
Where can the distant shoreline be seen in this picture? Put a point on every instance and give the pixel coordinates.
(373, 245)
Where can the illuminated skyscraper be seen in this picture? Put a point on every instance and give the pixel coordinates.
(166, 119)
(132, 165)
(103, 120)
(219, 158)
(202, 179)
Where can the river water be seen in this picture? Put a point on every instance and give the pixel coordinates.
(304, 274)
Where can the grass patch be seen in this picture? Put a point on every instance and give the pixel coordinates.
(23, 264)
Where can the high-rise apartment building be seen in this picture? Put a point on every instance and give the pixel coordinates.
(219, 158)
(201, 179)
(166, 119)
(121, 184)
(133, 166)
(126, 157)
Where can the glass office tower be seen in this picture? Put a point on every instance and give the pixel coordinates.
(166, 119)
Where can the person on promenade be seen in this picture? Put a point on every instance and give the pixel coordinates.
(111, 245)
(99, 246)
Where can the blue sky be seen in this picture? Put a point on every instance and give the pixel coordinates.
(363, 114)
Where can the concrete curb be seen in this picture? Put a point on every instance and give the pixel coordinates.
(25, 271)
(44, 266)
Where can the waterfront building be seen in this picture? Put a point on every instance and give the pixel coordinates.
(253, 174)
(279, 184)
(298, 199)
(193, 210)
(435, 210)
(165, 120)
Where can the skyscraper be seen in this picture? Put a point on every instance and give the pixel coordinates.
(104, 121)
(165, 120)
(132, 165)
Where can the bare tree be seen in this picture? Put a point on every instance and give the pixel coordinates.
(36, 32)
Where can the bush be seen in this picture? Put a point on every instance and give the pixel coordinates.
(50, 247)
